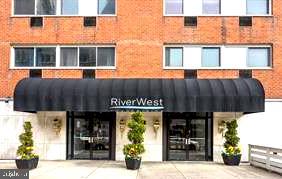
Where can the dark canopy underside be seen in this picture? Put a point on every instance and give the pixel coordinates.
(178, 95)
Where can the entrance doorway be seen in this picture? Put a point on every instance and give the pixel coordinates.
(91, 135)
(188, 136)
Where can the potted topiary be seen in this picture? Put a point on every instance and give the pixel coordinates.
(232, 152)
(27, 159)
(136, 137)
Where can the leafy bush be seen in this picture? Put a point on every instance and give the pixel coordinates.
(25, 150)
(136, 136)
(231, 139)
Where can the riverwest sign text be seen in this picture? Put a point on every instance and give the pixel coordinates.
(136, 103)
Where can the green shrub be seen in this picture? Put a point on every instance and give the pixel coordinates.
(231, 139)
(25, 150)
(136, 136)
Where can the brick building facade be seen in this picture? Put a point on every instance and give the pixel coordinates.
(140, 31)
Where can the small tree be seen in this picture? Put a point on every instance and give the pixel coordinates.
(231, 139)
(25, 150)
(135, 136)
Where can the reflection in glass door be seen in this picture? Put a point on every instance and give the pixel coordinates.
(177, 140)
(189, 137)
(82, 138)
(196, 139)
(101, 139)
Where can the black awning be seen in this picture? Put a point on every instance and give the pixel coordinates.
(168, 95)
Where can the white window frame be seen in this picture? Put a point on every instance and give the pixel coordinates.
(221, 10)
(59, 13)
(221, 59)
(58, 56)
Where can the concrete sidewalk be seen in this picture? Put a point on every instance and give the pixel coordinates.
(75, 169)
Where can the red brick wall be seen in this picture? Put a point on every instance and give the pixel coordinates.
(139, 31)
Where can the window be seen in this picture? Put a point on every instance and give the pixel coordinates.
(36, 22)
(245, 73)
(68, 56)
(87, 56)
(46, 7)
(174, 56)
(190, 21)
(190, 74)
(211, 6)
(65, 7)
(257, 6)
(46, 56)
(24, 7)
(174, 6)
(89, 21)
(106, 6)
(210, 57)
(24, 57)
(258, 57)
(193, 57)
(35, 73)
(88, 73)
(245, 21)
(106, 56)
(69, 7)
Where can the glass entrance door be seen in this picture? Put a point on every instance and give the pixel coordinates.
(90, 136)
(177, 140)
(188, 138)
(82, 138)
(196, 139)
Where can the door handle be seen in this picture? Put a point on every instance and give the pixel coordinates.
(91, 139)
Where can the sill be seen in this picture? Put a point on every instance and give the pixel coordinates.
(218, 68)
(174, 68)
(62, 68)
(58, 16)
(218, 15)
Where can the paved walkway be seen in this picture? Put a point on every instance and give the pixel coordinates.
(77, 169)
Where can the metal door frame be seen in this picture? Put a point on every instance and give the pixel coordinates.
(109, 116)
(167, 117)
